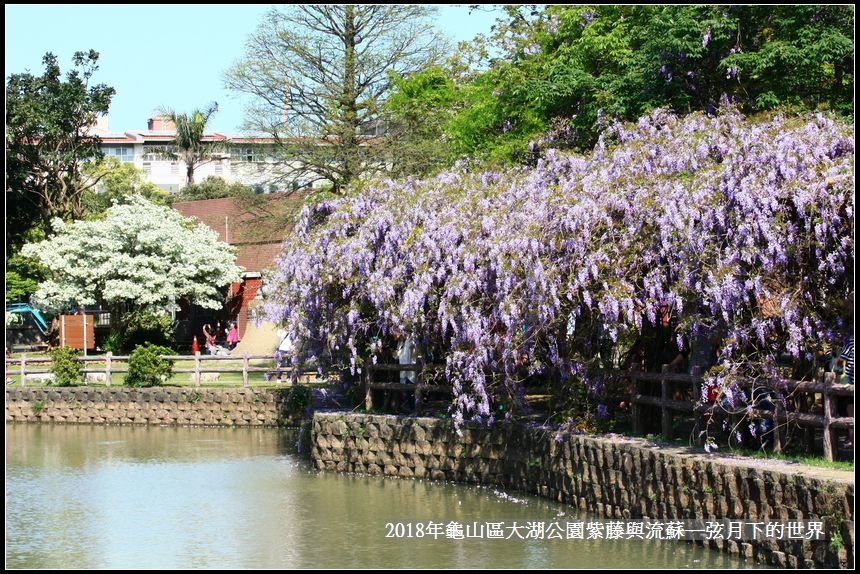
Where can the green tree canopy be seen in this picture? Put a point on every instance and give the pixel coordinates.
(117, 182)
(48, 140)
(561, 72)
(213, 187)
(23, 275)
(417, 112)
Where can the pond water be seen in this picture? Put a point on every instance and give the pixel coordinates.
(155, 497)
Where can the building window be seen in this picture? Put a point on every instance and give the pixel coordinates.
(123, 152)
(158, 152)
(252, 154)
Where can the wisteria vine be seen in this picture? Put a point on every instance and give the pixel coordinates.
(719, 221)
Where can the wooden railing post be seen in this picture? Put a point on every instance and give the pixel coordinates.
(368, 393)
(698, 401)
(197, 369)
(23, 369)
(829, 379)
(779, 414)
(666, 412)
(108, 366)
(634, 404)
(805, 403)
(245, 370)
(419, 382)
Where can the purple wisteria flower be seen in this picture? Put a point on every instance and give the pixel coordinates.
(526, 272)
(588, 16)
(532, 49)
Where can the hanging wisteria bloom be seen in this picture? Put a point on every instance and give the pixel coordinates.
(553, 272)
(588, 16)
(532, 49)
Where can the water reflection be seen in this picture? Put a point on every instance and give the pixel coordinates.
(132, 497)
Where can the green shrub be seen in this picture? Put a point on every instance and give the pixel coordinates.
(299, 398)
(111, 342)
(67, 371)
(146, 368)
(836, 543)
(139, 327)
(213, 187)
(134, 328)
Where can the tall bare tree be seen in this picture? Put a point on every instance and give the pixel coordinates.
(319, 75)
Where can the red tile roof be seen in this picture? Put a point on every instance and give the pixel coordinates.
(256, 257)
(257, 226)
(117, 139)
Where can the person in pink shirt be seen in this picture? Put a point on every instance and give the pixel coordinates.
(232, 337)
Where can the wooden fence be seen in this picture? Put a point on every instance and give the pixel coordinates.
(802, 394)
(795, 409)
(115, 364)
(419, 387)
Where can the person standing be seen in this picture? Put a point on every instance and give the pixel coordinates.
(845, 405)
(406, 356)
(405, 352)
(232, 337)
(846, 360)
(845, 364)
(209, 338)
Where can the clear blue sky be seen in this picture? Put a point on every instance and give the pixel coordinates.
(162, 55)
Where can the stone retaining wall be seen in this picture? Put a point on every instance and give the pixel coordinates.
(615, 478)
(154, 406)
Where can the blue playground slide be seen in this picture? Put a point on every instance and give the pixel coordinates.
(25, 308)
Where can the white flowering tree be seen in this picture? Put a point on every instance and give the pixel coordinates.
(140, 256)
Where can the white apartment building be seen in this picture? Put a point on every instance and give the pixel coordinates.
(248, 160)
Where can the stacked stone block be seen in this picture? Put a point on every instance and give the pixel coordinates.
(153, 406)
(617, 478)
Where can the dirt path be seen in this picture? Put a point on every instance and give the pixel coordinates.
(777, 465)
(258, 340)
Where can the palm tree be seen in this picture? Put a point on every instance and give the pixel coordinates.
(188, 143)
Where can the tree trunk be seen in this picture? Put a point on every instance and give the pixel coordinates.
(349, 104)
(189, 172)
